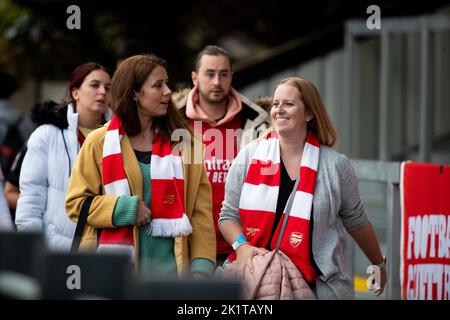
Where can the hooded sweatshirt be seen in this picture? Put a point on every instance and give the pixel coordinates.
(221, 139)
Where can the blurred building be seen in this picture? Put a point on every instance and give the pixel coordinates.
(386, 90)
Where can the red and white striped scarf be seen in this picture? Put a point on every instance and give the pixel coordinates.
(168, 217)
(259, 197)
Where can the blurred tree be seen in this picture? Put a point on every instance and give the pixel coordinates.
(34, 36)
(37, 42)
(16, 29)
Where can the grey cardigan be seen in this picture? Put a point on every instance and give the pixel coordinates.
(337, 207)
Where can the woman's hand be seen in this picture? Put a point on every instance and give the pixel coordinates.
(245, 254)
(383, 279)
(379, 274)
(143, 214)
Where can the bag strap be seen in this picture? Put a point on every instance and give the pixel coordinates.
(286, 213)
(82, 218)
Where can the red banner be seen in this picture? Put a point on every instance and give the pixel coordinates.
(425, 236)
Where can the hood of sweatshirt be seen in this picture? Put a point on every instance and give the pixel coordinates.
(49, 112)
(195, 112)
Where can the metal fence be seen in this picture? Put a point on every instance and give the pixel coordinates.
(388, 173)
(427, 27)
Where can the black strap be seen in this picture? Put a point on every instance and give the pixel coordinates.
(286, 213)
(82, 218)
(67, 152)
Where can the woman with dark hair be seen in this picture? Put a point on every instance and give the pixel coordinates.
(52, 149)
(154, 202)
(295, 168)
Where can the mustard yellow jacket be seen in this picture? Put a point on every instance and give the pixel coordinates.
(86, 181)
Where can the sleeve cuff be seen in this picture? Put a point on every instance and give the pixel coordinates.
(125, 211)
(201, 265)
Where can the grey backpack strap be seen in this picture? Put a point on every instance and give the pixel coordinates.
(286, 213)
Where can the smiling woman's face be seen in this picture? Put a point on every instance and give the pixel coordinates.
(288, 111)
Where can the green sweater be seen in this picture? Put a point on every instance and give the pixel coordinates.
(157, 258)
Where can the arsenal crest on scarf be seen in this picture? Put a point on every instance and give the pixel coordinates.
(259, 196)
(295, 238)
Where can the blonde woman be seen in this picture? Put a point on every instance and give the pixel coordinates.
(326, 201)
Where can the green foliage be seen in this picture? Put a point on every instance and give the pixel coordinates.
(13, 20)
(9, 15)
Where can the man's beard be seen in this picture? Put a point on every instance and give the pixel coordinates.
(213, 100)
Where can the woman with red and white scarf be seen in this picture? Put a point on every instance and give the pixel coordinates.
(155, 201)
(326, 201)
